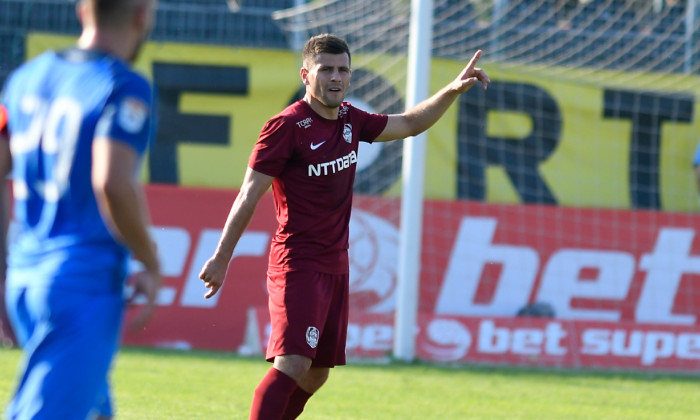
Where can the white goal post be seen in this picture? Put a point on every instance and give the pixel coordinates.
(410, 238)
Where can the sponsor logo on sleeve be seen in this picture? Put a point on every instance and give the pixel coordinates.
(132, 114)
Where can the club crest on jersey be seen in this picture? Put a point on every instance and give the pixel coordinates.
(347, 133)
(312, 336)
(132, 114)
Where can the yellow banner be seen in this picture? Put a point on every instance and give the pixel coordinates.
(571, 137)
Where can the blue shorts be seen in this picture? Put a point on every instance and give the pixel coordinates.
(69, 339)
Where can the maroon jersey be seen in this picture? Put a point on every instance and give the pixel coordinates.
(313, 160)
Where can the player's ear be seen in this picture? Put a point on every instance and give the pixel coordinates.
(139, 18)
(80, 11)
(304, 75)
(142, 16)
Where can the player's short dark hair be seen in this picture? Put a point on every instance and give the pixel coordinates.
(324, 43)
(113, 12)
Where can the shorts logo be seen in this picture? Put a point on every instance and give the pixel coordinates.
(312, 337)
(347, 133)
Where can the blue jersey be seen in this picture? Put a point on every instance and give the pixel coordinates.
(57, 105)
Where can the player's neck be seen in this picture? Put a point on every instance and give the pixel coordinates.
(322, 110)
(105, 41)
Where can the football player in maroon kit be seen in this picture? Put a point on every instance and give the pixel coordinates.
(308, 153)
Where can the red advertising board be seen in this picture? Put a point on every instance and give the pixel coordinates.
(623, 284)
(523, 341)
(187, 224)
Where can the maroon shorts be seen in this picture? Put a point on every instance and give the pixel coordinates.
(309, 316)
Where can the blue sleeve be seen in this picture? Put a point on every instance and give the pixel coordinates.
(128, 113)
(696, 159)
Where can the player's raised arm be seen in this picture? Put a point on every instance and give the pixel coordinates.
(213, 273)
(425, 114)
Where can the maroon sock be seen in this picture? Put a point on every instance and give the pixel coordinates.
(271, 396)
(296, 404)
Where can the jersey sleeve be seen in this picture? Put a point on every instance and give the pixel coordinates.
(273, 149)
(127, 114)
(373, 125)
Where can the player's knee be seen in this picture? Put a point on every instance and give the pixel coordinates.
(292, 365)
(314, 379)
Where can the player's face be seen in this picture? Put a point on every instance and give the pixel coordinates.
(327, 79)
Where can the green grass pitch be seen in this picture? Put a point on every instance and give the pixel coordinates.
(168, 384)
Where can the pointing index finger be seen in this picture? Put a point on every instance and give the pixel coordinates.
(475, 58)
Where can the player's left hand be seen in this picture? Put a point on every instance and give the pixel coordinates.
(213, 274)
(145, 284)
(471, 75)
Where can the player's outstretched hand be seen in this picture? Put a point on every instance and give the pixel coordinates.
(145, 284)
(471, 75)
(213, 274)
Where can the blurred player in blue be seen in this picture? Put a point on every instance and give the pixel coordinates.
(78, 123)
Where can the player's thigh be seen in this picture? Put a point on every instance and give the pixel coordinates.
(331, 347)
(69, 353)
(301, 306)
(298, 308)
